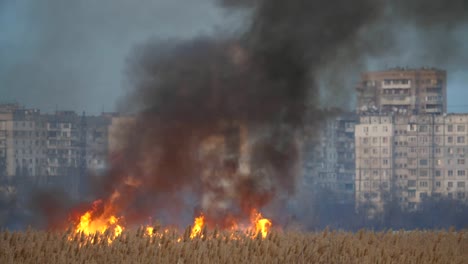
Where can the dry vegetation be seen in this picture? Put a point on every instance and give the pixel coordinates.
(218, 247)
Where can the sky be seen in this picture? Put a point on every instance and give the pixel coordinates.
(72, 55)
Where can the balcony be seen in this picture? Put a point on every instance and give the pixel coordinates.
(434, 110)
(396, 85)
(395, 100)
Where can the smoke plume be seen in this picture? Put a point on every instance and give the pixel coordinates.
(220, 119)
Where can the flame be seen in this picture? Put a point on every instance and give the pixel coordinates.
(99, 219)
(197, 226)
(149, 230)
(260, 224)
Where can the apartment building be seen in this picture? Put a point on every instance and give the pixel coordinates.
(329, 159)
(411, 157)
(97, 141)
(374, 160)
(57, 149)
(404, 91)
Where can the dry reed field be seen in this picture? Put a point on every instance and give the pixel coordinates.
(138, 246)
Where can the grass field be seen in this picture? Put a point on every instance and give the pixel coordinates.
(137, 246)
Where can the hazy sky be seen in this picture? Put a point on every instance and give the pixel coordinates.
(72, 54)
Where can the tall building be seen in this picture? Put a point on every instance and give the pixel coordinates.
(329, 158)
(411, 157)
(25, 145)
(374, 161)
(58, 149)
(401, 90)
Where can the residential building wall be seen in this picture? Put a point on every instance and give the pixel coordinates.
(428, 158)
(329, 158)
(374, 160)
(401, 90)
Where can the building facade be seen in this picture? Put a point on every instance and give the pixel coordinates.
(404, 91)
(329, 158)
(58, 149)
(411, 157)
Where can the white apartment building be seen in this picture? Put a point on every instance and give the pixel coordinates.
(416, 156)
(374, 160)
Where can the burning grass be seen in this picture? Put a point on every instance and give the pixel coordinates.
(214, 246)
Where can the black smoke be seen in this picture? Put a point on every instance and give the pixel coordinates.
(294, 59)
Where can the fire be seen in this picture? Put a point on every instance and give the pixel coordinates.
(149, 230)
(99, 219)
(260, 224)
(197, 226)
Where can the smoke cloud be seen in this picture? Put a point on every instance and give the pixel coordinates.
(220, 118)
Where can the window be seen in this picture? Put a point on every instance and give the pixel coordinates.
(385, 140)
(438, 129)
(411, 183)
(365, 140)
(461, 173)
(461, 195)
(365, 129)
(385, 129)
(437, 184)
(437, 173)
(461, 128)
(461, 184)
(423, 173)
(450, 172)
(411, 193)
(449, 139)
(461, 139)
(450, 184)
(374, 129)
(450, 128)
(423, 162)
(423, 184)
(385, 150)
(439, 162)
(423, 128)
(374, 140)
(385, 162)
(423, 195)
(461, 161)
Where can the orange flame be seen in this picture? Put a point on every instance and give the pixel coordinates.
(149, 230)
(101, 218)
(197, 226)
(95, 221)
(260, 224)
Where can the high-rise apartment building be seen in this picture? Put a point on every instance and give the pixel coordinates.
(329, 158)
(57, 149)
(411, 157)
(404, 91)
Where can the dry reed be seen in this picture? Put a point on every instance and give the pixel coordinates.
(215, 246)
